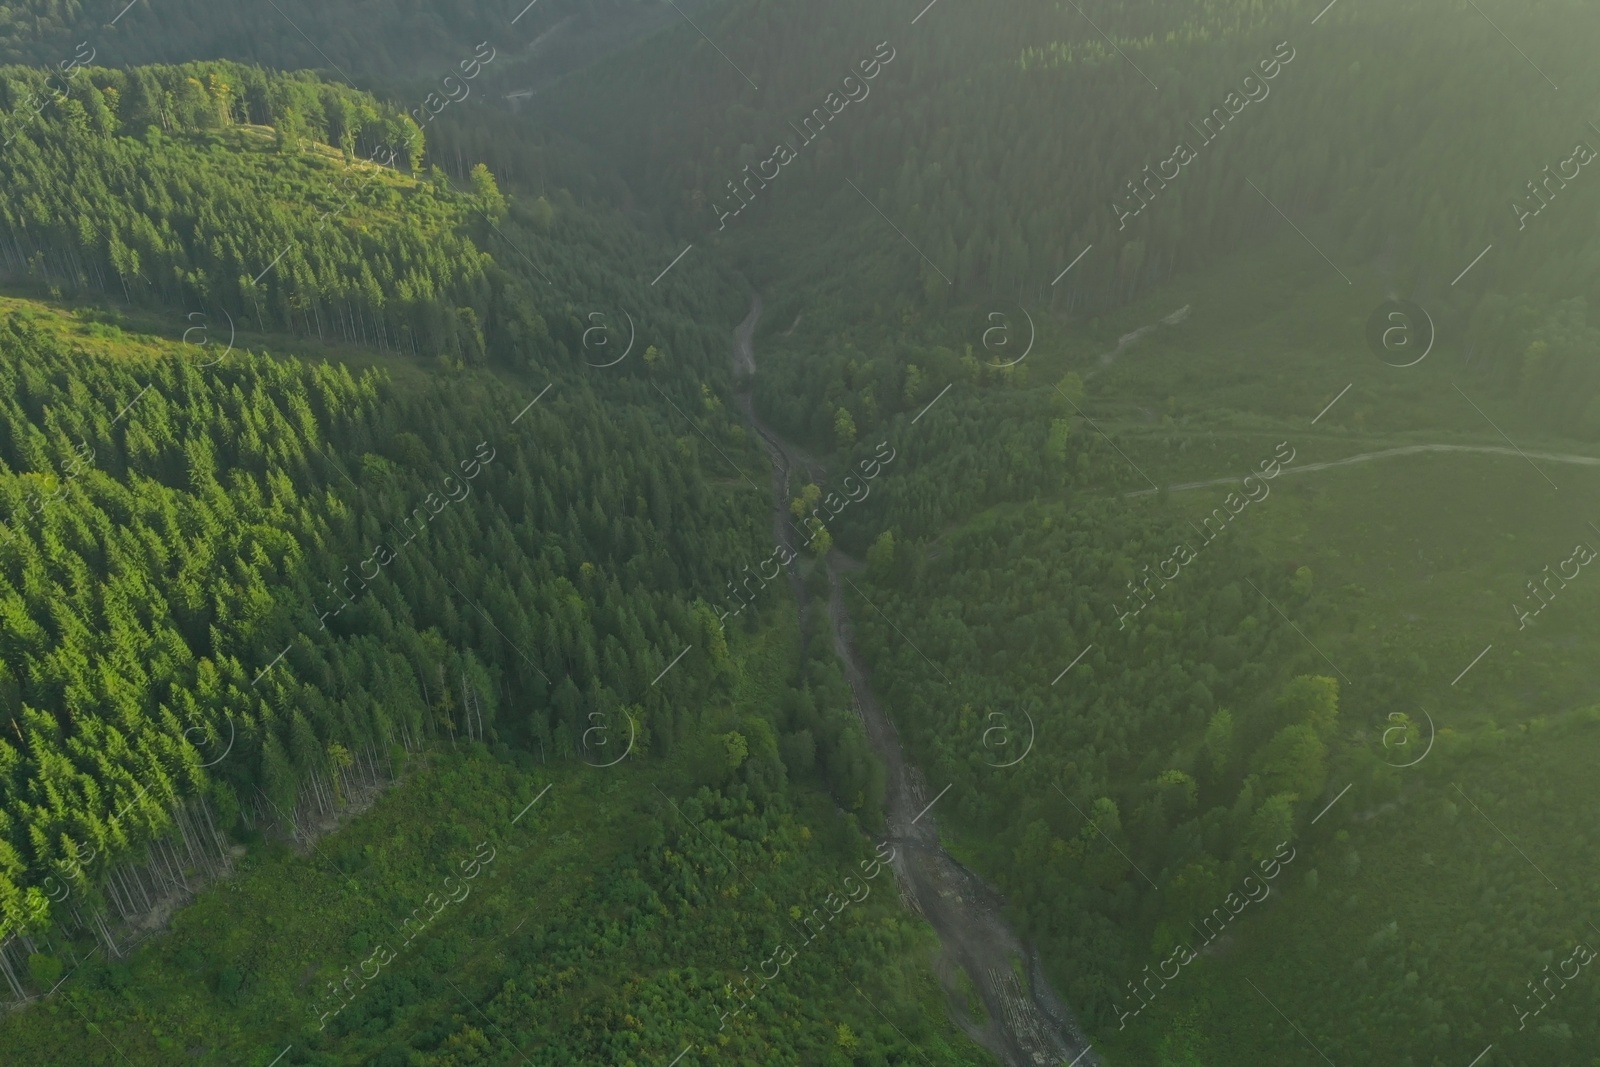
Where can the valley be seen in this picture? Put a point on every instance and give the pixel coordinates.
(1026, 1022)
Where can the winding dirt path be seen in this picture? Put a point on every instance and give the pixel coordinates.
(1129, 339)
(1028, 1025)
(1406, 450)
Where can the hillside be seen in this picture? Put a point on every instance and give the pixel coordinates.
(205, 715)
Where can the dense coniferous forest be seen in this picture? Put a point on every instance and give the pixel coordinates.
(294, 35)
(1003, 148)
(234, 503)
(398, 667)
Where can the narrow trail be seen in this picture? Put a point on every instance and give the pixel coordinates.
(1129, 339)
(1028, 1025)
(1406, 450)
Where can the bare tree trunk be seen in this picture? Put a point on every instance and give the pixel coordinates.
(125, 904)
(113, 893)
(192, 841)
(449, 723)
(172, 865)
(176, 861)
(111, 942)
(163, 872)
(143, 890)
(11, 978)
(217, 839)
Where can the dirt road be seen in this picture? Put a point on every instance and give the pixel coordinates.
(1406, 450)
(1027, 1025)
